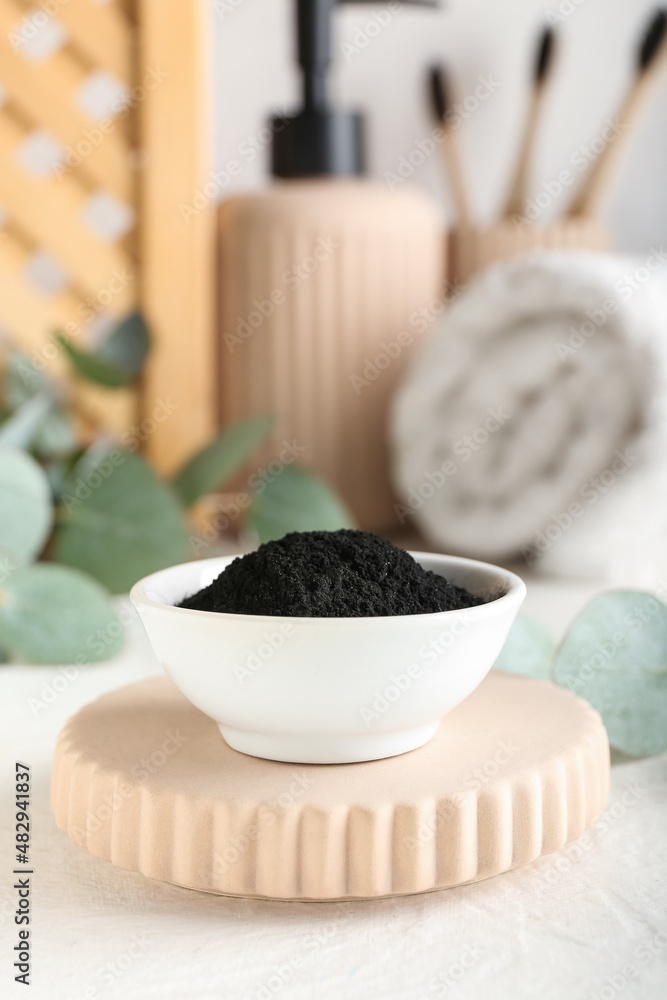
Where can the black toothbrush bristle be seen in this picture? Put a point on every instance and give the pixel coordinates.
(544, 54)
(438, 85)
(653, 39)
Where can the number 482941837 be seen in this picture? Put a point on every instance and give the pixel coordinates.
(22, 803)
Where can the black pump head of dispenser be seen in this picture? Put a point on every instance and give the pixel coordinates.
(319, 139)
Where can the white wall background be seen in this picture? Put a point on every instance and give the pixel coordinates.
(255, 73)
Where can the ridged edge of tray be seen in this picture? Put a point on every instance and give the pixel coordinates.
(305, 851)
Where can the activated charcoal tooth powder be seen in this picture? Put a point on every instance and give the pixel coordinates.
(329, 574)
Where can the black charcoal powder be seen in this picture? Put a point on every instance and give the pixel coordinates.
(329, 574)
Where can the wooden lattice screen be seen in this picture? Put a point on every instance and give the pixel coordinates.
(103, 137)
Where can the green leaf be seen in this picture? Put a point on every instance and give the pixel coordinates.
(22, 380)
(19, 430)
(53, 614)
(118, 360)
(615, 656)
(529, 649)
(55, 435)
(127, 345)
(295, 500)
(26, 511)
(214, 464)
(58, 471)
(92, 367)
(119, 521)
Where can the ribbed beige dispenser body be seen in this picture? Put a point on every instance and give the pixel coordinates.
(322, 283)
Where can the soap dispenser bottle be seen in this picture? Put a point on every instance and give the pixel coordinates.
(323, 276)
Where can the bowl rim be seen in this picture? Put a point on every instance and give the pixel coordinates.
(514, 595)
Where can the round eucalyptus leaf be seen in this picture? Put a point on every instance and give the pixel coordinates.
(214, 464)
(26, 511)
(295, 500)
(55, 435)
(92, 366)
(615, 656)
(528, 650)
(22, 380)
(57, 471)
(127, 345)
(19, 429)
(119, 521)
(54, 614)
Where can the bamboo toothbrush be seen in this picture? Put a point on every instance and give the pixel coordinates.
(652, 53)
(516, 199)
(450, 146)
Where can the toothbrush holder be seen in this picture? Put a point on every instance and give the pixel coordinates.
(473, 248)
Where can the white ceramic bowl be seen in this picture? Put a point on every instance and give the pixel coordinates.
(327, 690)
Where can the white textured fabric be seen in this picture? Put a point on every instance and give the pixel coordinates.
(568, 927)
(542, 387)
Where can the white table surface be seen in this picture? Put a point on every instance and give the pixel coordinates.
(585, 924)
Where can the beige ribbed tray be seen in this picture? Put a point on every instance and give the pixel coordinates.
(144, 780)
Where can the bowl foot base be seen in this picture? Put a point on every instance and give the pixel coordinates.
(318, 748)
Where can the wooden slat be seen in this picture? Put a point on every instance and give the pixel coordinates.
(100, 31)
(64, 74)
(178, 257)
(44, 91)
(30, 319)
(50, 212)
(129, 9)
(23, 309)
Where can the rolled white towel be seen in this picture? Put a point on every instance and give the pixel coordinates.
(534, 420)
